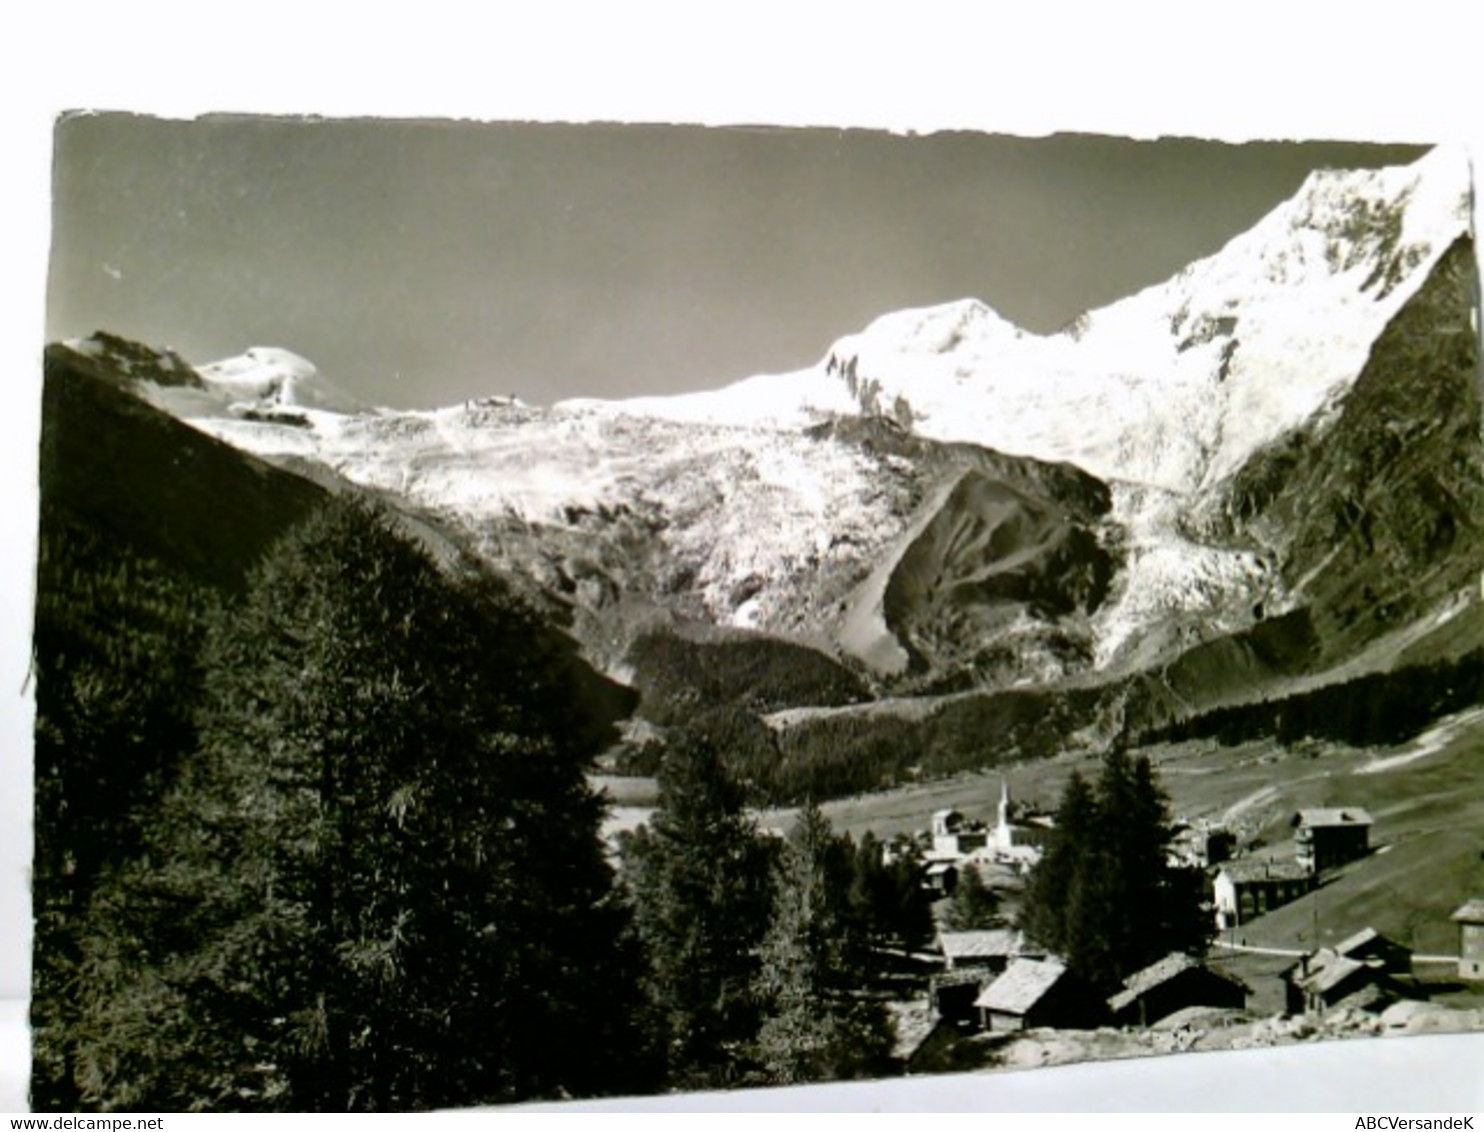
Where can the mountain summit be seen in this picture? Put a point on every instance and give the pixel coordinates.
(1171, 387)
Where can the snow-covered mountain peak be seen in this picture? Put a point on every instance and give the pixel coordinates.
(735, 502)
(1178, 384)
(1165, 394)
(271, 377)
(965, 326)
(1174, 386)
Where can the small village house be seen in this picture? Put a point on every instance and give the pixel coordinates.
(1326, 980)
(1246, 888)
(953, 994)
(987, 949)
(919, 1036)
(1037, 992)
(972, 960)
(1368, 944)
(1470, 921)
(1328, 838)
(1175, 982)
(1200, 847)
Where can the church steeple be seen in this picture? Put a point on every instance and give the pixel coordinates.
(1003, 829)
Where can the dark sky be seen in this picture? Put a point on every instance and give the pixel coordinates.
(420, 263)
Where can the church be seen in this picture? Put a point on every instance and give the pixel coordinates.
(1015, 838)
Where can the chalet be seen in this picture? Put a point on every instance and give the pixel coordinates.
(990, 949)
(1246, 888)
(1326, 839)
(1176, 982)
(918, 1036)
(1325, 979)
(1470, 921)
(1369, 944)
(1036, 992)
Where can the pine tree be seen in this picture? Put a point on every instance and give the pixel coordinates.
(1044, 910)
(886, 898)
(974, 904)
(697, 876)
(1104, 895)
(115, 646)
(379, 884)
(818, 1026)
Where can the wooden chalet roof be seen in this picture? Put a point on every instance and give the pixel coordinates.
(1363, 937)
(1162, 971)
(989, 943)
(1249, 870)
(912, 1024)
(960, 976)
(1470, 913)
(1343, 815)
(1328, 970)
(1024, 983)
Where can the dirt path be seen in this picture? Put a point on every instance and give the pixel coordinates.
(1287, 952)
(1242, 805)
(1252, 949)
(1428, 743)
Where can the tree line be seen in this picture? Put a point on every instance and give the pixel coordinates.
(1376, 709)
(834, 755)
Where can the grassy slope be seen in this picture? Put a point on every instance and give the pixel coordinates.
(1429, 833)
(1429, 815)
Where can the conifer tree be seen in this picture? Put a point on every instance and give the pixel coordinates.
(886, 898)
(379, 884)
(974, 905)
(1044, 911)
(1104, 895)
(114, 654)
(697, 876)
(818, 1025)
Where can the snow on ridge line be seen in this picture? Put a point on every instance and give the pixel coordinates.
(272, 375)
(1179, 382)
(1156, 362)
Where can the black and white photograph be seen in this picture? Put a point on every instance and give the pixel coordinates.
(544, 612)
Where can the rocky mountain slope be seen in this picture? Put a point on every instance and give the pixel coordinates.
(119, 474)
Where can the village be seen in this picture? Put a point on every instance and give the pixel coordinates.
(994, 998)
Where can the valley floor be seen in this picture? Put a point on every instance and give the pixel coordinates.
(1426, 795)
(1427, 799)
